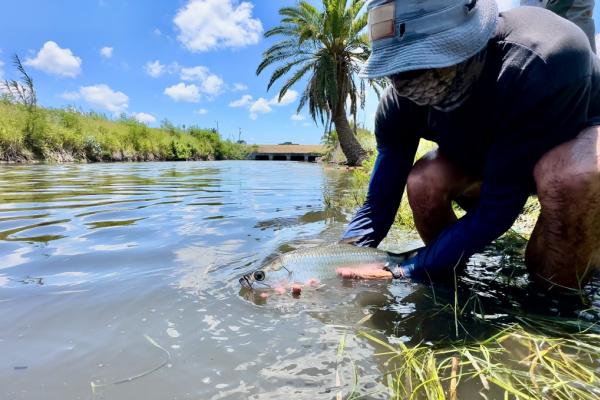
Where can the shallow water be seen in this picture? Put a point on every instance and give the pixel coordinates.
(125, 276)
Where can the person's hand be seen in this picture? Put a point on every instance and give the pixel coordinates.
(367, 271)
(379, 271)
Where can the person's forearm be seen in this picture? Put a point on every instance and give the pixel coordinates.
(373, 220)
(494, 216)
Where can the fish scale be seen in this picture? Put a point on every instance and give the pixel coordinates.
(318, 263)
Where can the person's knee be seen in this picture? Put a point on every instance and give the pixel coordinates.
(427, 185)
(559, 177)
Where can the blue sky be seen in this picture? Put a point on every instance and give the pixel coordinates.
(191, 61)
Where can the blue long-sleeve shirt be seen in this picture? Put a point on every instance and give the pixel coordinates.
(540, 87)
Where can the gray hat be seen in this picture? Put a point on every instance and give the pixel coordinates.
(419, 34)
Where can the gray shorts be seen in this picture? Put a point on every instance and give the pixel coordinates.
(578, 11)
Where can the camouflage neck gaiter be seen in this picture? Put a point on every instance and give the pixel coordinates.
(443, 88)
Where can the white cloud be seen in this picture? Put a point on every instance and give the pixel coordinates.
(204, 81)
(260, 106)
(243, 102)
(209, 24)
(209, 83)
(56, 61)
(297, 117)
(598, 43)
(104, 97)
(106, 52)
(202, 111)
(154, 68)
(157, 32)
(194, 73)
(239, 87)
(212, 85)
(1, 70)
(144, 118)
(183, 92)
(70, 96)
(289, 97)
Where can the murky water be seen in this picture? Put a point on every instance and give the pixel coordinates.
(119, 281)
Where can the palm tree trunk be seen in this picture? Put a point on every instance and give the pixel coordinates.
(351, 148)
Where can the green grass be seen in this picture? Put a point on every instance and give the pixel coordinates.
(514, 363)
(64, 135)
(356, 191)
(517, 355)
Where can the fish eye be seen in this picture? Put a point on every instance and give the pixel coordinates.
(259, 276)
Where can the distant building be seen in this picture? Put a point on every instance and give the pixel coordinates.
(288, 152)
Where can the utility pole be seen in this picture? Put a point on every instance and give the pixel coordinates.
(217, 126)
(240, 135)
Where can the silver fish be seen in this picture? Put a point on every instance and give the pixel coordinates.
(316, 263)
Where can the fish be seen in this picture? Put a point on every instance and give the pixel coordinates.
(312, 265)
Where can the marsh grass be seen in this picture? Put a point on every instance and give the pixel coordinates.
(356, 191)
(514, 363)
(496, 347)
(486, 335)
(70, 135)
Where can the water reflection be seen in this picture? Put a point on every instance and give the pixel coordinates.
(95, 257)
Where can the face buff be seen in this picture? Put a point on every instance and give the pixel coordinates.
(443, 88)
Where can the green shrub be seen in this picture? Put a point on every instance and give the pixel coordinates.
(92, 149)
(35, 133)
(64, 134)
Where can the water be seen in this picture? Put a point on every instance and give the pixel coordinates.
(124, 276)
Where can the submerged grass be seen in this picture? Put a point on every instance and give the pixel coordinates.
(515, 363)
(489, 336)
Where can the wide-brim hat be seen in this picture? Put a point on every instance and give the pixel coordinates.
(408, 35)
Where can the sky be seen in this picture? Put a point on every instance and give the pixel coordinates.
(192, 62)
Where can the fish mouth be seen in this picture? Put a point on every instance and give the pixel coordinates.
(245, 282)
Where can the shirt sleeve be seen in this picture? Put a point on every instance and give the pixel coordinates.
(535, 122)
(395, 131)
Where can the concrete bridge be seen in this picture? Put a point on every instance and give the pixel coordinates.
(288, 152)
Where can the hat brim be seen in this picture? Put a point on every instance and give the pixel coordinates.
(439, 50)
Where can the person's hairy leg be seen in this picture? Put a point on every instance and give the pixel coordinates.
(564, 249)
(432, 184)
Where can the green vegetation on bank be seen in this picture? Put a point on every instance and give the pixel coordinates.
(31, 133)
(63, 135)
(356, 191)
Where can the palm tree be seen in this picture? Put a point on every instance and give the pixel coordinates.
(328, 47)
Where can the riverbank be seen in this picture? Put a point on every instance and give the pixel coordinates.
(68, 135)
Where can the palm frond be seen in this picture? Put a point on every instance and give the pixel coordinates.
(299, 74)
(281, 71)
(326, 48)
